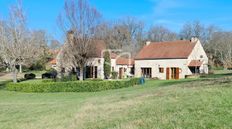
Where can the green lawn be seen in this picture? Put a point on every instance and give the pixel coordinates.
(192, 103)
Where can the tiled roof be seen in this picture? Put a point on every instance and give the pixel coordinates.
(124, 61)
(166, 50)
(54, 52)
(53, 61)
(195, 63)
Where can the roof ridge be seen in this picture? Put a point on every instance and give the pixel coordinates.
(171, 41)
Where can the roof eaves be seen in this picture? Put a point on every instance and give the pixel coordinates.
(160, 58)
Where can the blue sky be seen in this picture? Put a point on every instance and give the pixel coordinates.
(42, 14)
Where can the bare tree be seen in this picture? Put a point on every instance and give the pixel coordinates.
(220, 49)
(126, 34)
(55, 44)
(135, 30)
(117, 36)
(17, 42)
(212, 41)
(204, 33)
(80, 21)
(160, 33)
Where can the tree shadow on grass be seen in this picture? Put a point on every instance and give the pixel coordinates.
(214, 78)
(175, 82)
(3, 84)
(218, 75)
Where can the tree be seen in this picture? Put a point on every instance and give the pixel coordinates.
(107, 64)
(18, 45)
(160, 33)
(219, 49)
(126, 34)
(55, 45)
(211, 40)
(79, 20)
(135, 29)
(196, 29)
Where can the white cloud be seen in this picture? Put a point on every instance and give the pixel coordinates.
(164, 6)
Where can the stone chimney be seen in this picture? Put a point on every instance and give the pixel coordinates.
(148, 43)
(70, 36)
(194, 39)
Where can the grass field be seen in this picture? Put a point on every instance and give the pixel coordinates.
(192, 103)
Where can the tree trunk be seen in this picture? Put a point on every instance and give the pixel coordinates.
(7, 69)
(14, 74)
(20, 68)
(81, 73)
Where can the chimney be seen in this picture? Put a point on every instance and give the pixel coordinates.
(70, 36)
(148, 43)
(194, 39)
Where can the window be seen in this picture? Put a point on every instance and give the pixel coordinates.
(146, 72)
(112, 68)
(132, 70)
(175, 72)
(161, 70)
(201, 56)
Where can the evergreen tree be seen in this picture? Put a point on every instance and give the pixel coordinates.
(107, 64)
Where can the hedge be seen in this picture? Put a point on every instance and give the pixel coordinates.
(29, 76)
(77, 86)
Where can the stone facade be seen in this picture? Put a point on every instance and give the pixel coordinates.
(197, 53)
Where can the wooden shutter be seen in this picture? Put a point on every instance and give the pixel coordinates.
(177, 73)
(167, 73)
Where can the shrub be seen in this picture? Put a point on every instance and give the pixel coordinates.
(216, 68)
(114, 75)
(48, 80)
(71, 77)
(77, 86)
(95, 79)
(48, 75)
(29, 76)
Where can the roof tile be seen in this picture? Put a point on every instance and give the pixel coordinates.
(166, 50)
(195, 63)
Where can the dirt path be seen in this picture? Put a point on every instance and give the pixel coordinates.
(8, 76)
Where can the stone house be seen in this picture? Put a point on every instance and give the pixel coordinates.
(95, 66)
(171, 60)
(123, 66)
